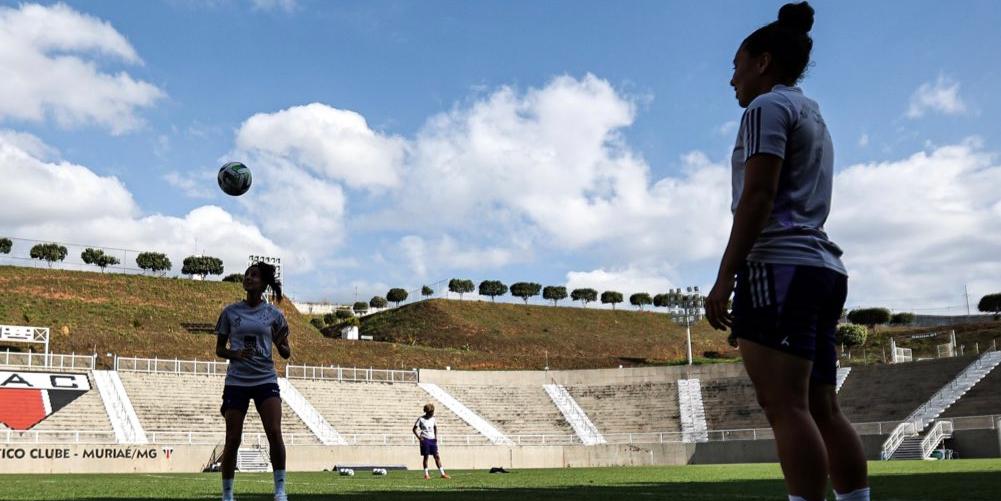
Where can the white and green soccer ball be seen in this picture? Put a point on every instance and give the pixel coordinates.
(234, 178)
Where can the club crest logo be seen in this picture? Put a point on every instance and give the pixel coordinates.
(27, 398)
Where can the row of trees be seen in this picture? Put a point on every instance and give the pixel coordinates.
(555, 293)
(153, 262)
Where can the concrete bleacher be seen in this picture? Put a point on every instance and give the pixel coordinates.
(84, 414)
(630, 408)
(365, 412)
(891, 392)
(730, 404)
(171, 405)
(982, 400)
(515, 410)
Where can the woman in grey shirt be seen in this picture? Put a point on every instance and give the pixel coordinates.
(251, 327)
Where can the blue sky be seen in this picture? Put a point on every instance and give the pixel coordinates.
(906, 88)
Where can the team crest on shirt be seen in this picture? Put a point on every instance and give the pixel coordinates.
(27, 398)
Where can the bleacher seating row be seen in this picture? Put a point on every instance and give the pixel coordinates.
(172, 405)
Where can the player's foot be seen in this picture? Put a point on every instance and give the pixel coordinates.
(445, 476)
(427, 477)
(281, 497)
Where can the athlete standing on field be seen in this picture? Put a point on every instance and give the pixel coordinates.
(426, 430)
(790, 283)
(250, 327)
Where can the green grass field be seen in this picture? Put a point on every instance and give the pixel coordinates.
(903, 480)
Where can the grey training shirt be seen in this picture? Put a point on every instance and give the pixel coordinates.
(251, 326)
(787, 124)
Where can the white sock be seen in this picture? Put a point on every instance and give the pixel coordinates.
(856, 495)
(441, 470)
(227, 489)
(279, 482)
(425, 472)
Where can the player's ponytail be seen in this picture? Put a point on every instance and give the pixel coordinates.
(787, 39)
(269, 279)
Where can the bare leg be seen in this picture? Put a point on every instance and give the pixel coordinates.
(781, 382)
(271, 417)
(234, 429)
(437, 461)
(844, 448)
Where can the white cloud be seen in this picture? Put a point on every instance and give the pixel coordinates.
(50, 55)
(627, 280)
(863, 140)
(332, 143)
(941, 96)
(445, 254)
(70, 203)
(193, 184)
(28, 144)
(728, 129)
(922, 226)
(285, 5)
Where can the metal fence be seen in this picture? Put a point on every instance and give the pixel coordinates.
(170, 366)
(353, 374)
(48, 360)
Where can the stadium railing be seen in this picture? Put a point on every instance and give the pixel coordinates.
(57, 437)
(47, 360)
(171, 366)
(350, 374)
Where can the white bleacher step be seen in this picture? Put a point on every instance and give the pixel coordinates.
(309, 415)
(471, 418)
(692, 410)
(586, 431)
(843, 373)
(121, 413)
(252, 460)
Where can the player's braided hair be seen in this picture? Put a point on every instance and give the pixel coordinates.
(268, 278)
(787, 39)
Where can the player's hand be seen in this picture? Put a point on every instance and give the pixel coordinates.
(279, 335)
(244, 354)
(715, 303)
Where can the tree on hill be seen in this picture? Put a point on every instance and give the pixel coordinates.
(49, 253)
(525, 290)
(492, 288)
(5, 245)
(233, 277)
(426, 291)
(343, 314)
(377, 302)
(639, 299)
(329, 319)
(850, 335)
(461, 286)
(98, 258)
(611, 297)
(991, 303)
(360, 307)
(584, 295)
(153, 261)
(397, 295)
(902, 319)
(202, 265)
(554, 293)
(661, 301)
(318, 323)
(870, 317)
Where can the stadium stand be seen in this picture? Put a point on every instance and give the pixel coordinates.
(730, 404)
(515, 410)
(172, 405)
(983, 399)
(635, 408)
(380, 412)
(892, 392)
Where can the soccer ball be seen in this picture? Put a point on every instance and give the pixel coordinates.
(234, 178)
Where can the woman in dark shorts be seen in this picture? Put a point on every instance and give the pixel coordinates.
(250, 327)
(788, 281)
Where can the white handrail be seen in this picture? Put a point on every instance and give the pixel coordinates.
(941, 430)
(47, 360)
(902, 431)
(353, 374)
(171, 366)
(919, 416)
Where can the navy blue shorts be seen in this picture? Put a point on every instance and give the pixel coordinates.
(429, 447)
(793, 309)
(238, 397)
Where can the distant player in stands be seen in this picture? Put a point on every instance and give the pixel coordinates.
(426, 430)
(250, 327)
(789, 282)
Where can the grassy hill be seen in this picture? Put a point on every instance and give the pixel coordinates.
(141, 316)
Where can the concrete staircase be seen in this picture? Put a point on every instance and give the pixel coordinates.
(471, 418)
(125, 422)
(693, 412)
(581, 424)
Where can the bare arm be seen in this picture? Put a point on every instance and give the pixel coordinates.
(222, 351)
(761, 182)
(280, 337)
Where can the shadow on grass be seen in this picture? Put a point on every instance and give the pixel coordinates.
(930, 486)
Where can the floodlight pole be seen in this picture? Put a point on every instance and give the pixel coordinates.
(689, 305)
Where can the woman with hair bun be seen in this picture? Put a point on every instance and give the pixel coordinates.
(251, 327)
(786, 275)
